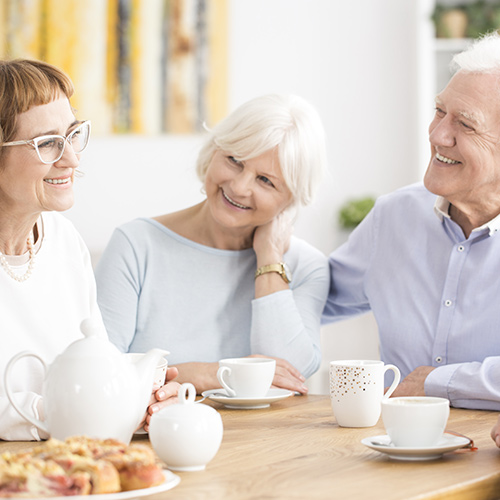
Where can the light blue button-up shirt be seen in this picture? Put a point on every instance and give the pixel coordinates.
(435, 294)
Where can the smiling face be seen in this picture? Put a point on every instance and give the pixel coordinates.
(465, 144)
(245, 195)
(26, 184)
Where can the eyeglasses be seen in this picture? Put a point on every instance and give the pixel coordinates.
(50, 148)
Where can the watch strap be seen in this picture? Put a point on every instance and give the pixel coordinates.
(273, 268)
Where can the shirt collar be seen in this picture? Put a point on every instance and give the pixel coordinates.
(442, 209)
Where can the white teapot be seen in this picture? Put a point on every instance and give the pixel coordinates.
(92, 389)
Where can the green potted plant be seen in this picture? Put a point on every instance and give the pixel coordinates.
(483, 17)
(354, 211)
(450, 22)
(469, 20)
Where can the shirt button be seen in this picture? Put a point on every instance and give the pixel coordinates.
(439, 359)
(447, 303)
(461, 248)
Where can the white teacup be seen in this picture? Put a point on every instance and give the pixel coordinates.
(415, 422)
(246, 377)
(357, 389)
(161, 367)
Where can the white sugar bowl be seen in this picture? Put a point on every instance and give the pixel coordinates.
(187, 435)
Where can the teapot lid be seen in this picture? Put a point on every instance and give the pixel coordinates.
(93, 328)
(95, 342)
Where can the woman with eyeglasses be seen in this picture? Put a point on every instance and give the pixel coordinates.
(224, 278)
(47, 287)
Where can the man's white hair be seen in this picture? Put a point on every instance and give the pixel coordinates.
(483, 56)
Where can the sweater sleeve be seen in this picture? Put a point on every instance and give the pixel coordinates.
(118, 289)
(286, 324)
(348, 267)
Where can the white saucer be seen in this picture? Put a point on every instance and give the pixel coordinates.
(221, 396)
(447, 443)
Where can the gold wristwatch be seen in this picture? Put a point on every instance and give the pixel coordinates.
(281, 268)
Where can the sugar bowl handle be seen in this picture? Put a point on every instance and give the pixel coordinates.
(186, 394)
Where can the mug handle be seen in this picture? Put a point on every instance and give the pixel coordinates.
(10, 394)
(220, 377)
(395, 382)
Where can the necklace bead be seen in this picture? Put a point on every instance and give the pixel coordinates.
(31, 263)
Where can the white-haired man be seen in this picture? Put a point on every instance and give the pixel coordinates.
(426, 260)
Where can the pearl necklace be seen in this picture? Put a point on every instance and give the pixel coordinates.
(31, 263)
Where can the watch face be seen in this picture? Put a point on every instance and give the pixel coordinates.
(287, 271)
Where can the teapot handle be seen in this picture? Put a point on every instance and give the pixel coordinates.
(10, 395)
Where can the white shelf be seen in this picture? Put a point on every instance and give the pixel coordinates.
(451, 44)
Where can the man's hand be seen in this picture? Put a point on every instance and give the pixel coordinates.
(495, 433)
(413, 384)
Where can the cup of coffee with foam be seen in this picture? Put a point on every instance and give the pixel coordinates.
(415, 421)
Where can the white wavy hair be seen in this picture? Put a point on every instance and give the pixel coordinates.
(483, 56)
(286, 122)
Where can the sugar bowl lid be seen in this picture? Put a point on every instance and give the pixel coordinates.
(187, 408)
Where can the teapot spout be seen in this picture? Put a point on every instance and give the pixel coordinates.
(147, 366)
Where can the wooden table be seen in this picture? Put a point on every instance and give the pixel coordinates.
(295, 450)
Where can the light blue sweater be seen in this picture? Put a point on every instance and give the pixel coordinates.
(159, 289)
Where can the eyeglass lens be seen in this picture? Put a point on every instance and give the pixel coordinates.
(51, 147)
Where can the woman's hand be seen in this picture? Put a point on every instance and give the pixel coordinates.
(161, 397)
(271, 241)
(495, 432)
(202, 375)
(286, 375)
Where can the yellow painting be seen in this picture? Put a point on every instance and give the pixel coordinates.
(139, 66)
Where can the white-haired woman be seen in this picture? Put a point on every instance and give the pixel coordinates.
(224, 278)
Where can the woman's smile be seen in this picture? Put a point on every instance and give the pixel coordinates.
(58, 181)
(232, 202)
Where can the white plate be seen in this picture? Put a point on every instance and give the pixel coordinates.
(171, 480)
(221, 396)
(447, 443)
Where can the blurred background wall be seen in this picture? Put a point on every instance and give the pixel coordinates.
(366, 65)
(370, 68)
